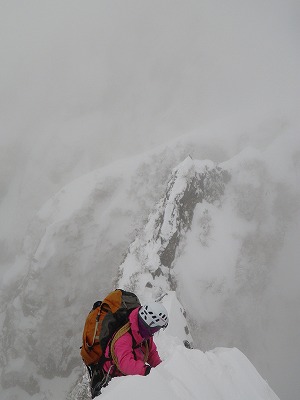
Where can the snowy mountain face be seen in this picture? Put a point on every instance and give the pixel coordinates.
(148, 266)
(213, 234)
(218, 238)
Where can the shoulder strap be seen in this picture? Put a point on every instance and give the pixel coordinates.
(119, 333)
(146, 351)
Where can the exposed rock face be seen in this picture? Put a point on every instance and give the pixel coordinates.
(153, 252)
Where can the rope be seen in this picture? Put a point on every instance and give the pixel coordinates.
(108, 376)
(117, 336)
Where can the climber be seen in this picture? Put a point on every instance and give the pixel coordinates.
(133, 351)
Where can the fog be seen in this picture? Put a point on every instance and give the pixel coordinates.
(85, 84)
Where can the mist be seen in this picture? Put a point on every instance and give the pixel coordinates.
(85, 84)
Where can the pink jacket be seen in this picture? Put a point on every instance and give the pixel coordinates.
(131, 360)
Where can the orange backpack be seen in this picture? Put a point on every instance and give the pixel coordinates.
(103, 321)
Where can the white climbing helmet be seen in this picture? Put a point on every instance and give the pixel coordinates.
(154, 315)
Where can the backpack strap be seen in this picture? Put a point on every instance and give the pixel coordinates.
(126, 328)
(118, 334)
(146, 353)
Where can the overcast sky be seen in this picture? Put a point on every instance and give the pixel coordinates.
(85, 83)
(132, 73)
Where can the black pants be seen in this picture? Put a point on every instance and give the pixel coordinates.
(99, 379)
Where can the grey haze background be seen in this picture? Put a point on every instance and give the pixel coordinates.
(85, 83)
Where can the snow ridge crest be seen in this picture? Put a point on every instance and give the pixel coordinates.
(147, 267)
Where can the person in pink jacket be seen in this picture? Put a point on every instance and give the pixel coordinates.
(135, 351)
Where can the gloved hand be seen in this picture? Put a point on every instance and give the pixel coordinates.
(147, 370)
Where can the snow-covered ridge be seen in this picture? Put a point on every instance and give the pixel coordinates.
(151, 255)
(228, 237)
(223, 374)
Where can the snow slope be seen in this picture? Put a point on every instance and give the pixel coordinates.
(220, 374)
